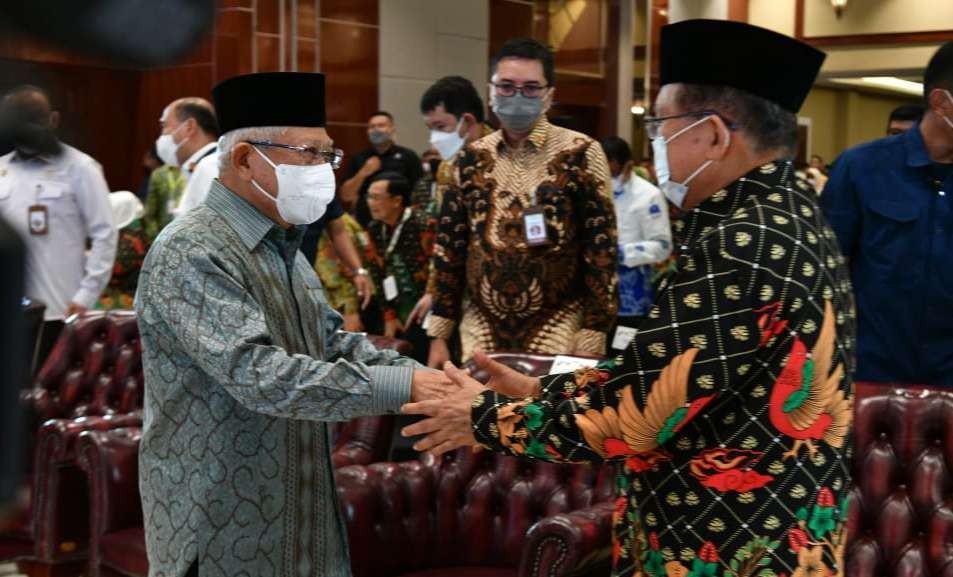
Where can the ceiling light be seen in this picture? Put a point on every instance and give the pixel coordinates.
(637, 110)
(891, 83)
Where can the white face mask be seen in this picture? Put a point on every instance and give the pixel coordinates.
(304, 191)
(166, 147)
(447, 143)
(674, 191)
(618, 186)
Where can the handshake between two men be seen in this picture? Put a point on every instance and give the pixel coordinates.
(445, 400)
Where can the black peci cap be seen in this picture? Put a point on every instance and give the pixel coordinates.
(727, 53)
(270, 99)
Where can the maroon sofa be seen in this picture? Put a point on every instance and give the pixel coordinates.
(91, 380)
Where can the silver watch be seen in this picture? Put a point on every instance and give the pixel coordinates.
(361, 272)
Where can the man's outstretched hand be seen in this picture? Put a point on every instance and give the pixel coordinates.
(448, 424)
(429, 385)
(505, 380)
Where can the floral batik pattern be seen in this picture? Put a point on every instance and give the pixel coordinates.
(729, 413)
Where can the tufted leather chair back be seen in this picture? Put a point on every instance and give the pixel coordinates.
(901, 512)
(95, 368)
(461, 510)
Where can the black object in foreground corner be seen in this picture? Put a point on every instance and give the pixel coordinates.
(13, 356)
(129, 32)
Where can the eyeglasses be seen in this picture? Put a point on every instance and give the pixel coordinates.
(653, 124)
(312, 154)
(527, 90)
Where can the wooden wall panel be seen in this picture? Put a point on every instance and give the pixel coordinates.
(307, 19)
(233, 44)
(97, 107)
(269, 53)
(268, 16)
(307, 55)
(113, 113)
(349, 58)
(509, 19)
(359, 11)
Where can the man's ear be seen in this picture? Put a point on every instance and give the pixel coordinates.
(721, 139)
(241, 154)
(938, 101)
(55, 119)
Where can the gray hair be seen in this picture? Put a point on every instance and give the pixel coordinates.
(770, 127)
(228, 141)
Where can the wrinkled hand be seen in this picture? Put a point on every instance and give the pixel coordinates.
(74, 309)
(439, 353)
(392, 327)
(364, 289)
(449, 425)
(421, 309)
(505, 380)
(430, 385)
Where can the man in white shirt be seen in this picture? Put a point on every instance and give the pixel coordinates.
(56, 198)
(645, 238)
(189, 137)
(197, 187)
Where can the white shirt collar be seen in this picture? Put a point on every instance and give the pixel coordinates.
(189, 165)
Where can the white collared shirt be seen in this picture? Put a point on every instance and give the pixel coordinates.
(198, 185)
(645, 236)
(188, 167)
(74, 191)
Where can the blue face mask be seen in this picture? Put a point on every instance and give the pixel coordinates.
(674, 191)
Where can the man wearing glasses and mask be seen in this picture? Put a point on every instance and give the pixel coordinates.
(243, 358)
(527, 228)
(730, 411)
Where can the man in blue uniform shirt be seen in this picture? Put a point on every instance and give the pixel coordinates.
(889, 203)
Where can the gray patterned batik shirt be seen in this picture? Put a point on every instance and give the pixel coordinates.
(244, 364)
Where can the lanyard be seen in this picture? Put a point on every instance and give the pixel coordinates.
(396, 236)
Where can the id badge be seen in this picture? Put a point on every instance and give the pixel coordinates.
(534, 225)
(39, 219)
(623, 336)
(390, 288)
(426, 324)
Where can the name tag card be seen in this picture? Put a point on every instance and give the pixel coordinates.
(534, 225)
(569, 364)
(623, 336)
(39, 219)
(390, 288)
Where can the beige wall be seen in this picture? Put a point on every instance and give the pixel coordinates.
(421, 41)
(679, 10)
(841, 119)
(877, 17)
(777, 15)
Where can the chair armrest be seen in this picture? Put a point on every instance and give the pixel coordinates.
(56, 439)
(111, 462)
(569, 543)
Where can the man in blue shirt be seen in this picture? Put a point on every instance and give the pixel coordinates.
(889, 202)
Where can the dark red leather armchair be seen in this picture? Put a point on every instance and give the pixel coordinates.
(91, 380)
(464, 514)
(901, 513)
(110, 459)
(473, 514)
(901, 503)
